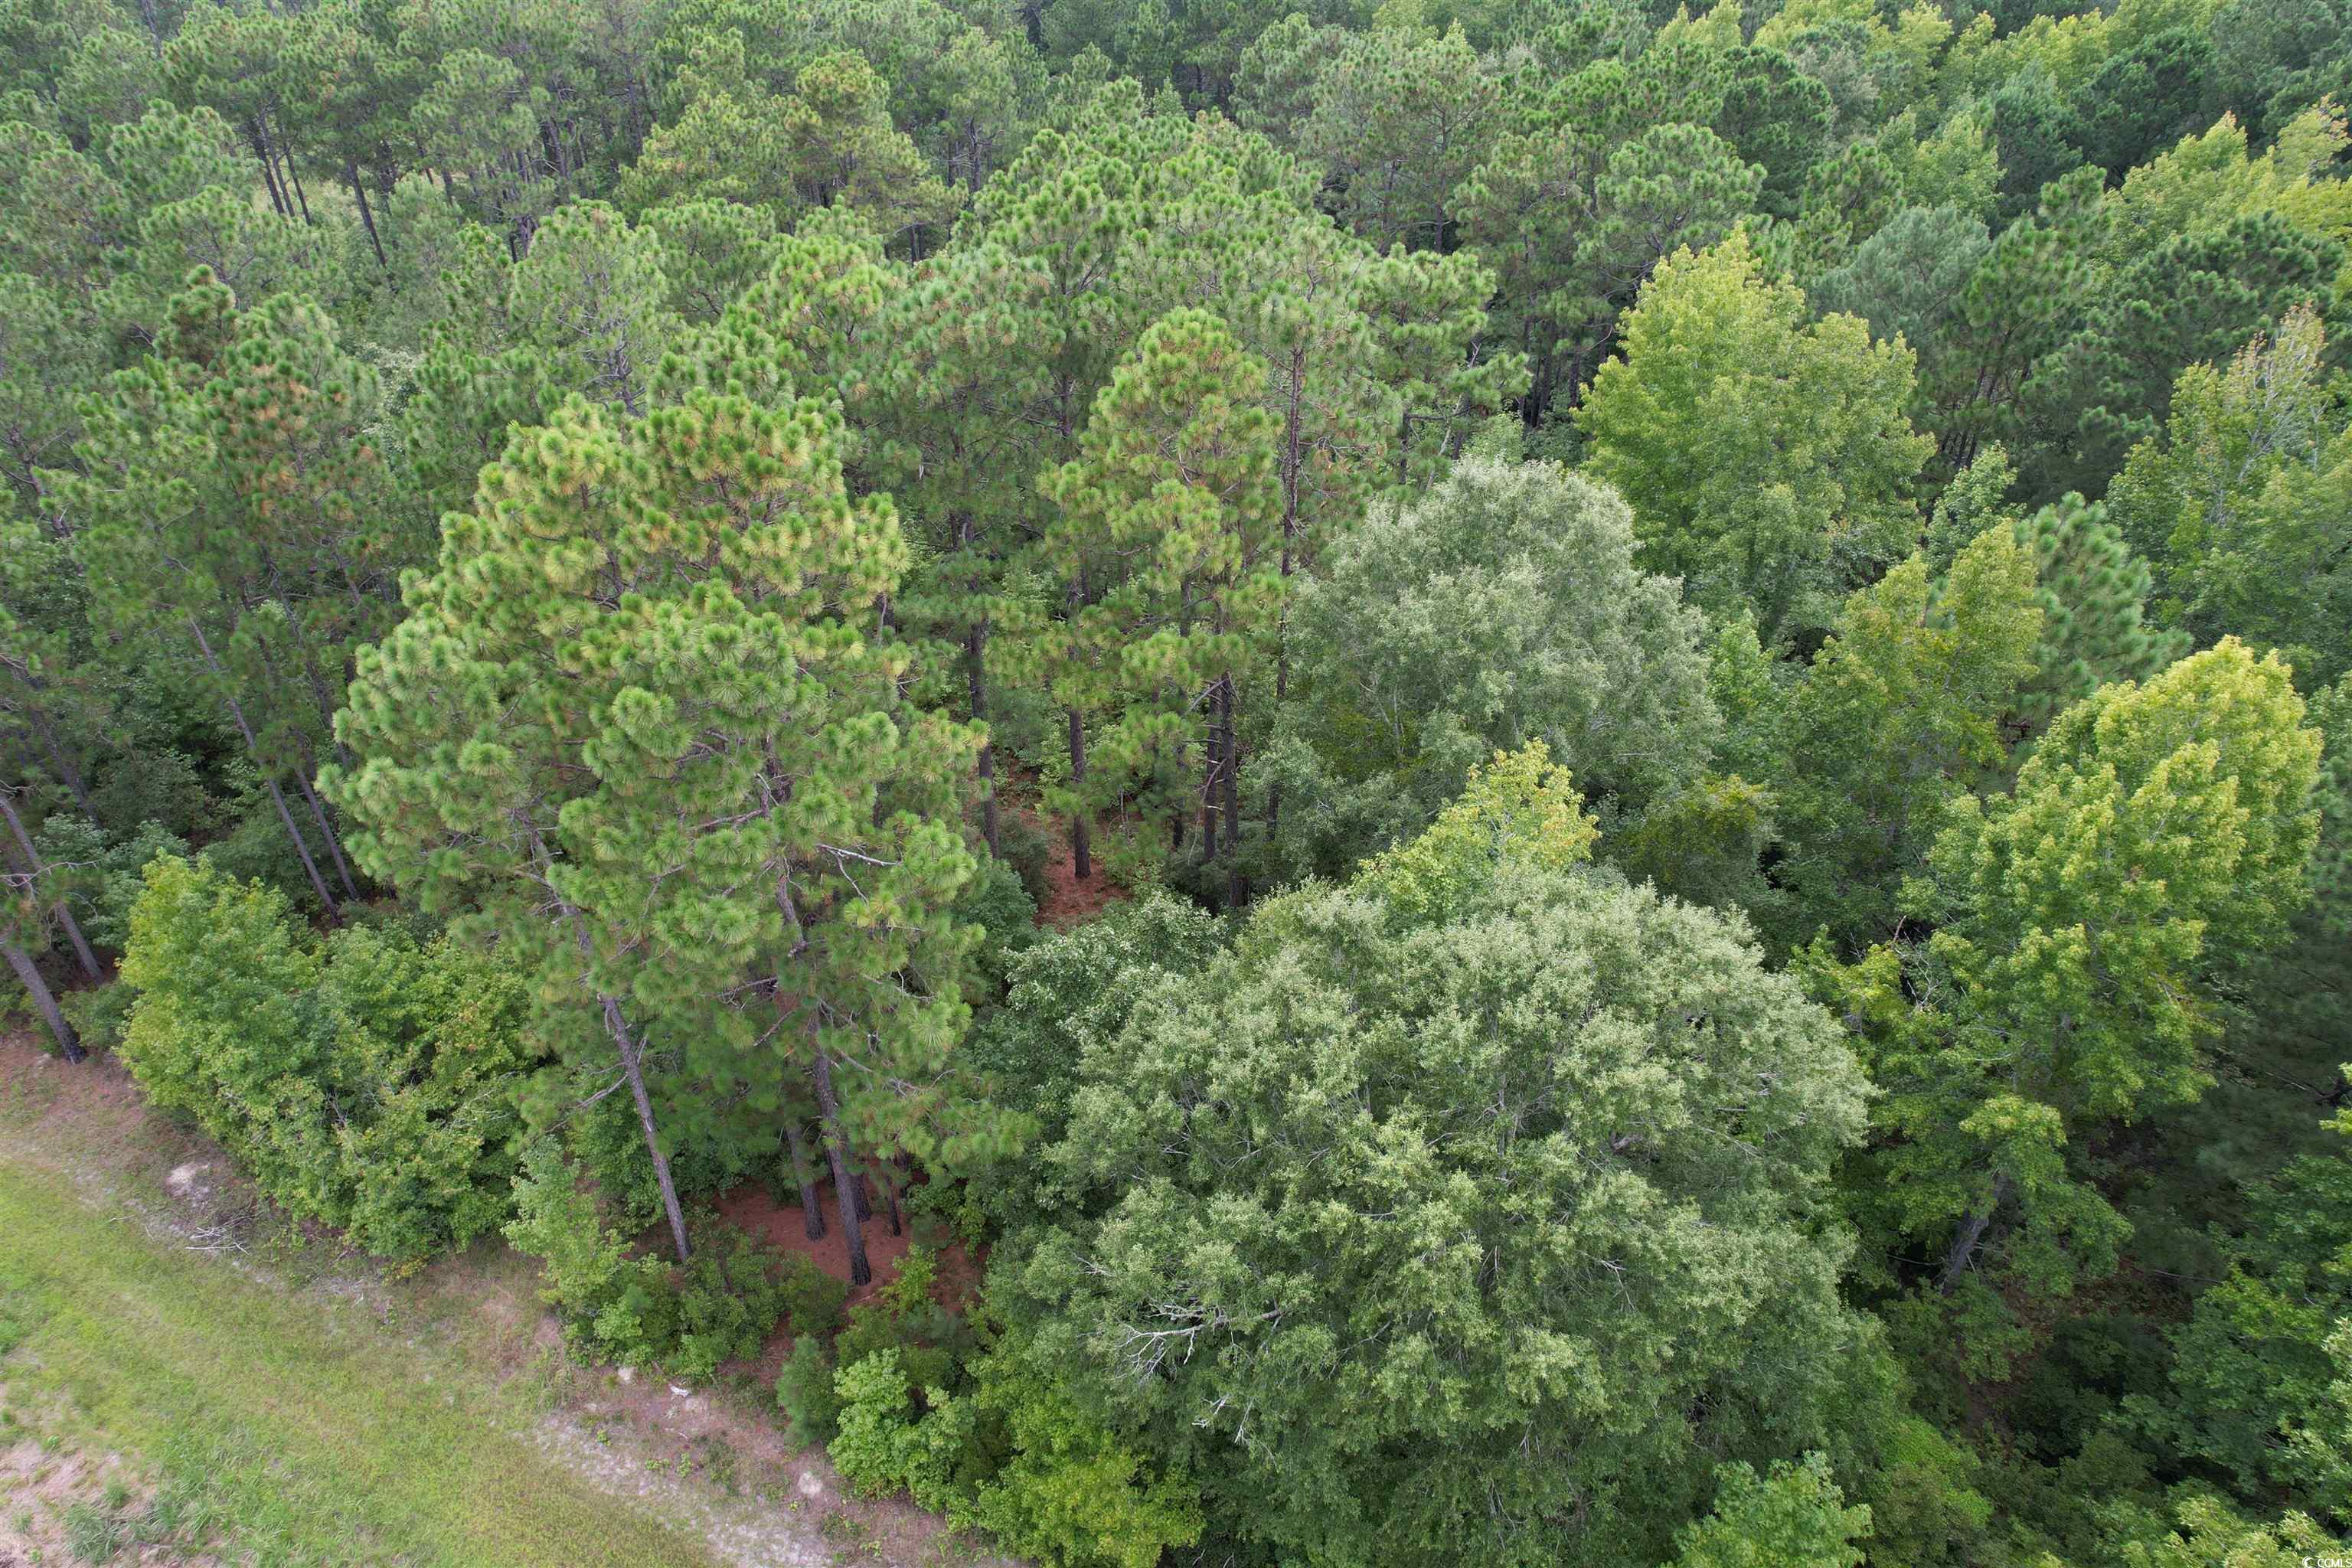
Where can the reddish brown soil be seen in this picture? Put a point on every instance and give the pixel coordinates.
(1069, 901)
(96, 1095)
(752, 1208)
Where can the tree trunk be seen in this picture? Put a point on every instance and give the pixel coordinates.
(890, 1206)
(293, 173)
(1082, 863)
(975, 647)
(302, 849)
(327, 832)
(67, 773)
(844, 1188)
(1970, 1233)
(82, 954)
(633, 1064)
(632, 1054)
(253, 750)
(367, 213)
(812, 1215)
(43, 1000)
(1234, 888)
(72, 928)
(1209, 794)
(260, 140)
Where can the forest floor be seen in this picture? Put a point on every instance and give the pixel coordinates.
(186, 1377)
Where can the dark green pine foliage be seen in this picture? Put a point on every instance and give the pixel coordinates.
(2095, 627)
(636, 732)
(2196, 297)
(236, 520)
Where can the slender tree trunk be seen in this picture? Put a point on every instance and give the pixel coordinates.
(82, 954)
(43, 1001)
(1966, 1239)
(32, 865)
(260, 139)
(890, 1206)
(632, 1058)
(302, 849)
(293, 173)
(633, 1064)
(1209, 761)
(67, 773)
(844, 1186)
(367, 213)
(975, 650)
(277, 796)
(812, 1215)
(327, 832)
(1082, 864)
(1234, 882)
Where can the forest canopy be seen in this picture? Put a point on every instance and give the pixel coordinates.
(1571, 782)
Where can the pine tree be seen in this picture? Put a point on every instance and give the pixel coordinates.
(2094, 594)
(1175, 491)
(658, 762)
(234, 517)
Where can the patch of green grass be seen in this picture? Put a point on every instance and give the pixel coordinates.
(297, 1428)
(95, 1534)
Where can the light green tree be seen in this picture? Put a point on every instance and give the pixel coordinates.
(1795, 1517)
(2245, 502)
(1767, 459)
(2156, 838)
(1499, 607)
(1899, 714)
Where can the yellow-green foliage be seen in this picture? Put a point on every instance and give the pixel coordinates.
(1518, 810)
(363, 1079)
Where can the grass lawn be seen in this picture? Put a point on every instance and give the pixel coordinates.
(293, 1428)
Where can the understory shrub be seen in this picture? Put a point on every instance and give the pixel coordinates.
(645, 1311)
(1016, 1456)
(363, 1079)
(813, 1300)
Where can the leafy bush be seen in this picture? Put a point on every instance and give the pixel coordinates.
(150, 783)
(890, 1441)
(805, 1390)
(1072, 1491)
(363, 1080)
(813, 1300)
(1017, 1457)
(1028, 849)
(727, 1304)
(103, 876)
(1000, 903)
(640, 1311)
(101, 1015)
(256, 849)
